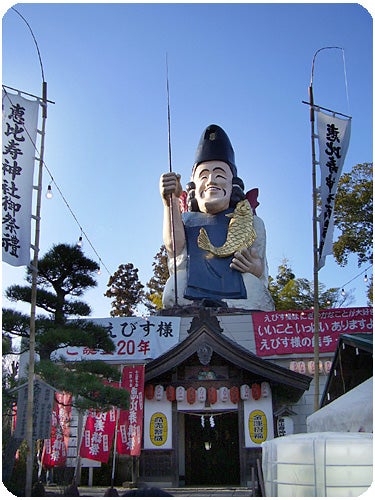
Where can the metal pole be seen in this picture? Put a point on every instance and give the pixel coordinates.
(315, 252)
(30, 391)
(315, 235)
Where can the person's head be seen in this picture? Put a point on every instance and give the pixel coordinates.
(214, 185)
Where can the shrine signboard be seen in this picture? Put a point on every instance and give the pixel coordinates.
(292, 332)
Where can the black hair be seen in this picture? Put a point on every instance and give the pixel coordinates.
(237, 194)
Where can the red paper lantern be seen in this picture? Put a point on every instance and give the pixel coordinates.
(255, 391)
(190, 395)
(149, 391)
(171, 393)
(234, 394)
(212, 395)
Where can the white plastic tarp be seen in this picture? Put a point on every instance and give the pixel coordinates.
(351, 412)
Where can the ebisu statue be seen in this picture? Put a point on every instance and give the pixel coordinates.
(219, 246)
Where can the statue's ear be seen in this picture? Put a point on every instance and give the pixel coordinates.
(237, 191)
(191, 201)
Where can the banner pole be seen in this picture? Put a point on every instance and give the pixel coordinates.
(115, 439)
(30, 391)
(315, 251)
(81, 424)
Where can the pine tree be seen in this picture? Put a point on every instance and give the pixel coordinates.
(157, 282)
(63, 274)
(126, 289)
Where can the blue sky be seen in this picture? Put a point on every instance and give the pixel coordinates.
(244, 66)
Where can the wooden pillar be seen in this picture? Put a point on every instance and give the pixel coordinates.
(241, 444)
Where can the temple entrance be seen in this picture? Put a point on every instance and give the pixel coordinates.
(212, 450)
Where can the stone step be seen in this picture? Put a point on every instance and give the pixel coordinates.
(194, 491)
(210, 491)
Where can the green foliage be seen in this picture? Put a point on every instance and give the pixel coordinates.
(353, 215)
(80, 333)
(87, 381)
(291, 294)
(64, 272)
(126, 290)
(67, 270)
(157, 282)
(15, 323)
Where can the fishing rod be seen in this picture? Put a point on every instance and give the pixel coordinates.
(171, 196)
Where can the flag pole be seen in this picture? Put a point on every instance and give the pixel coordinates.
(30, 390)
(34, 268)
(315, 234)
(315, 250)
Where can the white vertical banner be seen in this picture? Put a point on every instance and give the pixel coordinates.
(333, 139)
(258, 421)
(158, 424)
(20, 122)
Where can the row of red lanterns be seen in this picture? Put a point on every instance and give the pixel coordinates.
(245, 392)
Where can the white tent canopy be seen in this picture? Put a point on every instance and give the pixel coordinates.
(351, 412)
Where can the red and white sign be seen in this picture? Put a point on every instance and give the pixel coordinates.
(129, 437)
(292, 332)
(136, 340)
(55, 449)
(98, 435)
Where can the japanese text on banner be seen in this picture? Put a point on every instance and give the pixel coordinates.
(55, 448)
(292, 332)
(20, 121)
(136, 339)
(130, 430)
(333, 137)
(98, 435)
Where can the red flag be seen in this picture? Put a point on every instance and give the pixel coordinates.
(98, 435)
(130, 429)
(55, 449)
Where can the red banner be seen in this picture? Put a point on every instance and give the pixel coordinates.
(98, 435)
(292, 332)
(129, 437)
(55, 449)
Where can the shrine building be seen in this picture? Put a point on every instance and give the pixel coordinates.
(216, 384)
(210, 402)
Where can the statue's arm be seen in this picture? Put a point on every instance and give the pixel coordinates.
(170, 190)
(252, 260)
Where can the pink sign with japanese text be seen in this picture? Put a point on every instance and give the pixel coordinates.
(55, 449)
(129, 437)
(292, 332)
(98, 435)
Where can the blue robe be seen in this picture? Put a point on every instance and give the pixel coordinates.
(210, 277)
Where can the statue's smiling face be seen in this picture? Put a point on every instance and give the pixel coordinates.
(213, 186)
